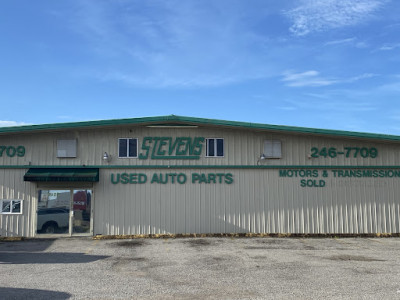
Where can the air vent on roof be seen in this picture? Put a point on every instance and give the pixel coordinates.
(172, 125)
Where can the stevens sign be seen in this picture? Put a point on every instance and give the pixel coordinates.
(171, 148)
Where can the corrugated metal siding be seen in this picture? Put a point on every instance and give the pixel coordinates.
(12, 186)
(258, 201)
(242, 147)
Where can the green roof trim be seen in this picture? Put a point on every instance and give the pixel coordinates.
(180, 120)
(62, 174)
(52, 169)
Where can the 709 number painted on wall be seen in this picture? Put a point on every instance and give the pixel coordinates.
(12, 151)
(347, 152)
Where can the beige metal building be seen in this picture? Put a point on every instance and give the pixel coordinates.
(172, 174)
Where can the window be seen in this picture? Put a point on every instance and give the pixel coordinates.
(11, 206)
(273, 149)
(66, 148)
(127, 147)
(215, 147)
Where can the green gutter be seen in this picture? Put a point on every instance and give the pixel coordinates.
(198, 121)
(202, 167)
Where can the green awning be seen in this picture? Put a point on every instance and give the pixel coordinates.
(62, 174)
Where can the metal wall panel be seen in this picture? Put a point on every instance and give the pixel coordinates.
(257, 201)
(242, 147)
(12, 186)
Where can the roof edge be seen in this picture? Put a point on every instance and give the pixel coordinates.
(198, 121)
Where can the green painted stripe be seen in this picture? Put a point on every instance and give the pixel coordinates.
(203, 167)
(176, 157)
(172, 119)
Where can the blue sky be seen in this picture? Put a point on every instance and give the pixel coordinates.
(312, 63)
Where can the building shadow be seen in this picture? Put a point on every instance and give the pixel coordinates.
(31, 245)
(19, 293)
(48, 258)
(34, 252)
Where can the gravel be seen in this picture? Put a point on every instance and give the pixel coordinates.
(201, 268)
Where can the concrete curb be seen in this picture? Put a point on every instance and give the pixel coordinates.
(245, 235)
(11, 239)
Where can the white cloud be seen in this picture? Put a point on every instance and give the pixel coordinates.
(390, 87)
(161, 81)
(308, 78)
(162, 44)
(362, 45)
(312, 78)
(335, 103)
(389, 47)
(12, 123)
(360, 77)
(321, 15)
(343, 41)
(352, 41)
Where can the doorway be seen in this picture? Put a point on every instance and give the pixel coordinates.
(64, 212)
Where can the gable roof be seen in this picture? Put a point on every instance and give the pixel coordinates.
(181, 120)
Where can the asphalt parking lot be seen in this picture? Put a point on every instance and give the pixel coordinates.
(201, 268)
